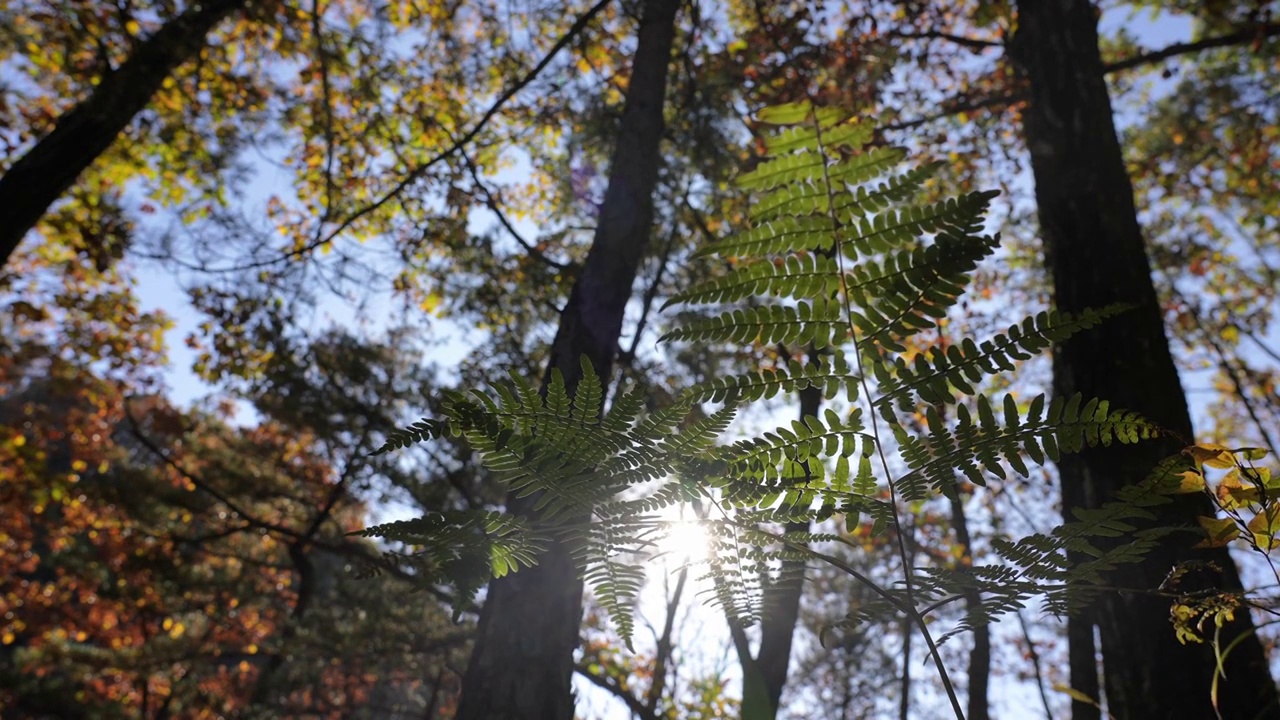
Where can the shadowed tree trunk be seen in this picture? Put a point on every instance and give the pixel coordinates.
(522, 664)
(765, 674)
(1095, 255)
(980, 653)
(84, 132)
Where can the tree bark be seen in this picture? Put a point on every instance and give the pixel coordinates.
(522, 664)
(83, 133)
(1095, 254)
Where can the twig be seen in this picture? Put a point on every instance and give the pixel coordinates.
(576, 29)
(975, 44)
(495, 207)
(1035, 665)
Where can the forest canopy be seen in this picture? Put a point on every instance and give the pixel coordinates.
(638, 358)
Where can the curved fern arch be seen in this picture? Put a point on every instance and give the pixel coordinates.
(840, 257)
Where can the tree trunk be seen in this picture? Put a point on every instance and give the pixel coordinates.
(765, 674)
(1095, 255)
(522, 664)
(980, 653)
(46, 171)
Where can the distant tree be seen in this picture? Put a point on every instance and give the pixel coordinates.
(205, 563)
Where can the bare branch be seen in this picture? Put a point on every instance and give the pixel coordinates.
(1253, 33)
(975, 44)
(493, 205)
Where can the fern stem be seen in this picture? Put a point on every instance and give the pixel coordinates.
(838, 252)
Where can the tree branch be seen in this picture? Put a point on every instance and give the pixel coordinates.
(413, 175)
(965, 104)
(636, 707)
(1253, 33)
(975, 44)
(494, 207)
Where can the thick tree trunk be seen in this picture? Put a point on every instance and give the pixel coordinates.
(47, 170)
(522, 663)
(1095, 254)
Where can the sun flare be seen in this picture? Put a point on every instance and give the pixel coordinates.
(684, 542)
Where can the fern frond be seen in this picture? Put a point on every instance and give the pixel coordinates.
(913, 300)
(810, 197)
(616, 585)
(851, 135)
(832, 374)
(816, 322)
(890, 229)
(798, 275)
(984, 443)
(1042, 557)
(864, 199)
(734, 576)
(463, 548)
(936, 372)
(420, 431)
(787, 234)
(764, 457)
(802, 113)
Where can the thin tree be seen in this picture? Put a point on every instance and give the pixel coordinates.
(1095, 254)
(764, 673)
(522, 664)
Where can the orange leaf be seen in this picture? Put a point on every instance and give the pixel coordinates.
(1232, 493)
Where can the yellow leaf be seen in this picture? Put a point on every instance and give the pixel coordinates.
(1264, 526)
(1251, 453)
(1265, 541)
(1232, 493)
(133, 27)
(1189, 482)
(1074, 694)
(176, 631)
(1212, 455)
(1220, 531)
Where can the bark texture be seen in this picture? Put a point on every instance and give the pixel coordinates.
(48, 169)
(522, 664)
(1095, 255)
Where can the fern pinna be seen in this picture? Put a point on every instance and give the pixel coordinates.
(839, 258)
